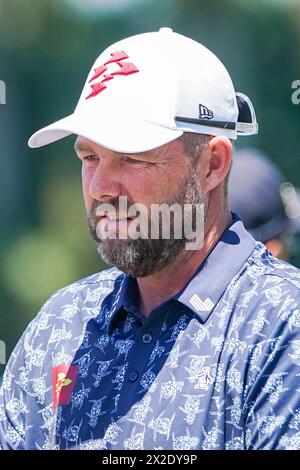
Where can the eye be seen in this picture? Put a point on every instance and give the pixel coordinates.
(90, 158)
(135, 161)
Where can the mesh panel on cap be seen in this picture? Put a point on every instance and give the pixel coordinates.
(205, 81)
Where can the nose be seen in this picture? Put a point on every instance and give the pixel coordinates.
(105, 183)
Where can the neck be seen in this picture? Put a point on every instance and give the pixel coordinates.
(158, 287)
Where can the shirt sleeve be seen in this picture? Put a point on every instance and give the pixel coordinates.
(273, 400)
(13, 401)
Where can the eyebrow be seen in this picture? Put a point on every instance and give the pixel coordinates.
(81, 147)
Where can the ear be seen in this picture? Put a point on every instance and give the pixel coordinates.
(219, 158)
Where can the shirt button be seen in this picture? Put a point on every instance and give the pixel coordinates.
(133, 376)
(147, 338)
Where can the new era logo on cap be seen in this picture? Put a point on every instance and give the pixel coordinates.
(205, 113)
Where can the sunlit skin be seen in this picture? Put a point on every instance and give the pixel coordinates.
(152, 177)
(277, 248)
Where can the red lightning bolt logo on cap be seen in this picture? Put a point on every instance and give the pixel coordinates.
(126, 68)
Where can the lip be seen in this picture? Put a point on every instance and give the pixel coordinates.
(106, 221)
(114, 219)
(113, 228)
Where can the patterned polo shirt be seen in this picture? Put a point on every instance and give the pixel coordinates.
(214, 367)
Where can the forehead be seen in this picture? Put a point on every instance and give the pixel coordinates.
(85, 145)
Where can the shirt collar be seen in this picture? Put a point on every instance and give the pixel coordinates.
(205, 288)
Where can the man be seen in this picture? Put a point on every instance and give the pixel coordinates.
(174, 348)
(255, 178)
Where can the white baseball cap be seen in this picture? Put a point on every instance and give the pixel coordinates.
(147, 90)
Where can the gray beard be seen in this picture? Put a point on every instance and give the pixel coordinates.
(143, 257)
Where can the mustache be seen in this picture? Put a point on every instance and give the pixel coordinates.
(98, 209)
(114, 203)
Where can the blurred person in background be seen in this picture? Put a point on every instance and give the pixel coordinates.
(268, 205)
(171, 348)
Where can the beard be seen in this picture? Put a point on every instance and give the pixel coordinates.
(142, 257)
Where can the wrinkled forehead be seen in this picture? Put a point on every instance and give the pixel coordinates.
(83, 144)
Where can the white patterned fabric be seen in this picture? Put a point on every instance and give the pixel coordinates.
(221, 371)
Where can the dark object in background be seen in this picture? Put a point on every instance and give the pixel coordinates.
(268, 205)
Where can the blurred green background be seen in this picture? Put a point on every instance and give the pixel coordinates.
(46, 50)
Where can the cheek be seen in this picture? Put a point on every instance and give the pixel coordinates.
(86, 178)
(168, 184)
(164, 185)
(147, 191)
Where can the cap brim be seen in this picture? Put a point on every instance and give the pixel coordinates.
(128, 135)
